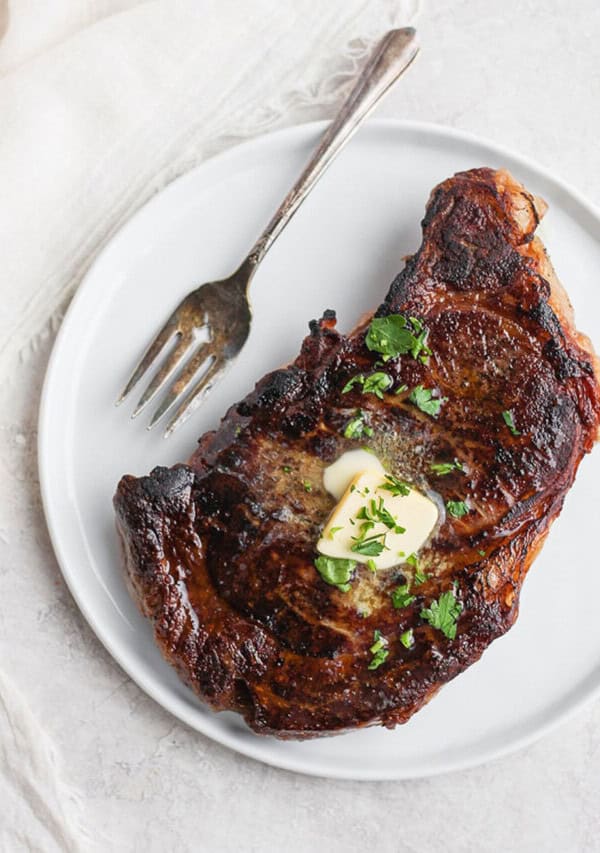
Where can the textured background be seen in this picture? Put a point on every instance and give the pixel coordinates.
(526, 74)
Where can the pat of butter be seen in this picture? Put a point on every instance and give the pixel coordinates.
(338, 476)
(414, 512)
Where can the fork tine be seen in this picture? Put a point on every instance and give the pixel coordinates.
(171, 362)
(182, 380)
(153, 351)
(196, 395)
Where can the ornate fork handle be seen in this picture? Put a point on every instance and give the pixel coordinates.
(389, 60)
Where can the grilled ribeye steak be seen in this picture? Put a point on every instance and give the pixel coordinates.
(220, 552)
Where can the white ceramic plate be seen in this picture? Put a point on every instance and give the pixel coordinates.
(341, 251)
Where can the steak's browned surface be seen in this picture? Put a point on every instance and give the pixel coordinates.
(220, 552)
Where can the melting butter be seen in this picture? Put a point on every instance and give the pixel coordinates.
(414, 514)
(338, 476)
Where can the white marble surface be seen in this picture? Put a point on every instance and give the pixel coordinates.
(526, 73)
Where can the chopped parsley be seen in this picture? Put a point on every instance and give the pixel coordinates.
(401, 389)
(378, 650)
(407, 639)
(443, 468)
(359, 379)
(425, 401)
(419, 576)
(396, 335)
(286, 469)
(336, 571)
(376, 383)
(481, 553)
(371, 566)
(333, 531)
(457, 508)
(443, 614)
(357, 428)
(369, 547)
(395, 486)
(377, 511)
(509, 421)
(307, 485)
(401, 597)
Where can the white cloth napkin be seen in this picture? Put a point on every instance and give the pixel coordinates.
(102, 103)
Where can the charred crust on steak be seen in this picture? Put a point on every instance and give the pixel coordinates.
(219, 552)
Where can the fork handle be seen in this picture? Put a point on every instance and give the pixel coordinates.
(390, 58)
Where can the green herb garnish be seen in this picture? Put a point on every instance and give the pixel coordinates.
(395, 486)
(509, 421)
(377, 383)
(443, 468)
(419, 577)
(307, 485)
(407, 639)
(333, 531)
(425, 401)
(286, 469)
(457, 508)
(359, 379)
(336, 571)
(376, 511)
(401, 389)
(481, 553)
(378, 650)
(369, 547)
(443, 613)
(401, 597)
(356, 428)
(396, 335)
(371, 566)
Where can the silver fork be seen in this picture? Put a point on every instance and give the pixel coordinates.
(221, 308)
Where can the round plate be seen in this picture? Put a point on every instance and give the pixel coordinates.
(341, 251)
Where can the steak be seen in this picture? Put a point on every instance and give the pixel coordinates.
(220, 552)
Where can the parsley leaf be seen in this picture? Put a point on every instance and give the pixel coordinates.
(336, 571)
(359, 379)
(396, 335)
(377, 511)
(457, 508)
(395, 486)
(333, 531)
(286, 469)
(443, 468)
(425, 401)
(378, 650)
(443, 613)
(377, 383)
(371, 566)
(401, 389)
(419, 577)
(509, 421)
(407, 639)
(401, 597)
(307, 485)
(368, 547)
(356, 428)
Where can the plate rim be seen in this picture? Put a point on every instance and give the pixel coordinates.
(210, 726)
